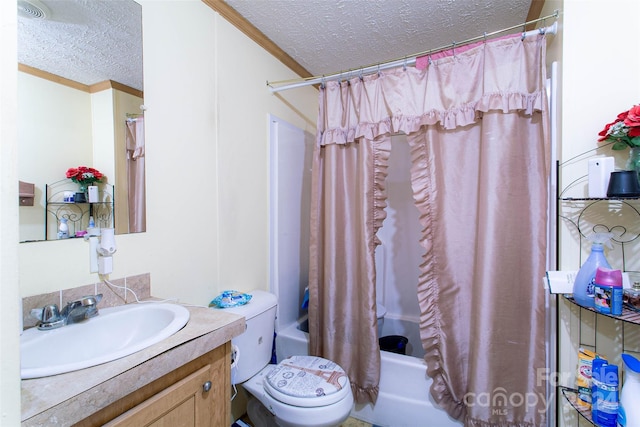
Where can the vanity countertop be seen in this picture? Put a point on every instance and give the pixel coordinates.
(68, 398)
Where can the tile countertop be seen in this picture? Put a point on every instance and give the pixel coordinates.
(68, 398)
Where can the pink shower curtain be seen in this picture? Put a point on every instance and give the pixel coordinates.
(346, 211)
(476, 124)
(136, 175)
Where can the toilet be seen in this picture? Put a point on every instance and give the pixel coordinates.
(300, 391)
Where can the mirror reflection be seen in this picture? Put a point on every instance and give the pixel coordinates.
(80, 104)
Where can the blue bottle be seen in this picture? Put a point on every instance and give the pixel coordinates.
(607, 397)
(584, 285)
(597, 377)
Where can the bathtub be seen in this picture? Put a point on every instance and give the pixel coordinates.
(403, 399)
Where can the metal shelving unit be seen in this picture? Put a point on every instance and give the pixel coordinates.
(76, 213)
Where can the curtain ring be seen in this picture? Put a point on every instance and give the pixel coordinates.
(404, 65)
(524, 31)
(453, 49)
(484, 35)
(322, 83)
(378, 69)
(429, 60)
(360, 76)
(542, 31)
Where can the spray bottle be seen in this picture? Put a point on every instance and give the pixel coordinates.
(629, 408)
(584, 285)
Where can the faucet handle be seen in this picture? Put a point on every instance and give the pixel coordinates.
(87, 300)
(49, 317)
(36, 313)
(48, 313)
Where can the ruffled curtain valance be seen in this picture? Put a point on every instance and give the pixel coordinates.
(404, 100)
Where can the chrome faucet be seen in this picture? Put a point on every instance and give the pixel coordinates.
(51, 317)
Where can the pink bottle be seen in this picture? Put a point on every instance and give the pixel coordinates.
(608, 291)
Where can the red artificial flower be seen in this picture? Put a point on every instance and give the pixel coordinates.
(84, 175)
(605, 132)
(633, 117)
(624, 131)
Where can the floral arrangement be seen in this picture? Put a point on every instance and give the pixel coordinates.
(624, 131)
(84, 175)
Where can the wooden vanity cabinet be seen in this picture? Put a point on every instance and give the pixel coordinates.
(197, 394)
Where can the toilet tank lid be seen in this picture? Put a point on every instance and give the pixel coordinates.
(260, 302)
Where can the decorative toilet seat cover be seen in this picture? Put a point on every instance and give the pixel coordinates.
(307, 381)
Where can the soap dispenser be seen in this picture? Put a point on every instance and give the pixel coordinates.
(629, 408)
(584, 285)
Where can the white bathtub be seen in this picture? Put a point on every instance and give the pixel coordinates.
(403, 400)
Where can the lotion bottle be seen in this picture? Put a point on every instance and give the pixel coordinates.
(584, 285)
(629, 408)
(63, 229)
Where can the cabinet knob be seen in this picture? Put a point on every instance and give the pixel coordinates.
(206, 386)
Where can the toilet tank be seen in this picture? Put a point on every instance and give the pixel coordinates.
(252, 349)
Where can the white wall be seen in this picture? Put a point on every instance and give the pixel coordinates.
(9, 295)
(207, 179)
(399, 256)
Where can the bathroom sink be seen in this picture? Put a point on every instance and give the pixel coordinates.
(116, 332)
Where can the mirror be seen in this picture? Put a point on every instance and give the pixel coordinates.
(80, 103)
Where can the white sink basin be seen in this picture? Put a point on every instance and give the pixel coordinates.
(116, 332)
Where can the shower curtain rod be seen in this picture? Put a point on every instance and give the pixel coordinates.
(409, 60)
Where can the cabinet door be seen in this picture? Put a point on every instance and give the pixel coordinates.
(186, 403)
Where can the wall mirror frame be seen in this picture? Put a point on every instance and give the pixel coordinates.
(80, 103)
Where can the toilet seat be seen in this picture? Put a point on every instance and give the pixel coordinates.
(307, 381)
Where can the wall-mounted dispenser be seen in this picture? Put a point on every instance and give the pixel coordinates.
(105, 251)
(102, 245)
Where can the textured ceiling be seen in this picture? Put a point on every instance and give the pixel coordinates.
(90, 41)
(327, 37)
(87, 41)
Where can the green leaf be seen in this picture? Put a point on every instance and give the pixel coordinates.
(619, 145)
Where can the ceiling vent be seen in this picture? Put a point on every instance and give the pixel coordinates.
(32, 9)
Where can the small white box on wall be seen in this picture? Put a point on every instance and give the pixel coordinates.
(92, 191)
(600, 170)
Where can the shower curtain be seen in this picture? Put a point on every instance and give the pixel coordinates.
(476, 122)
(136, 175)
